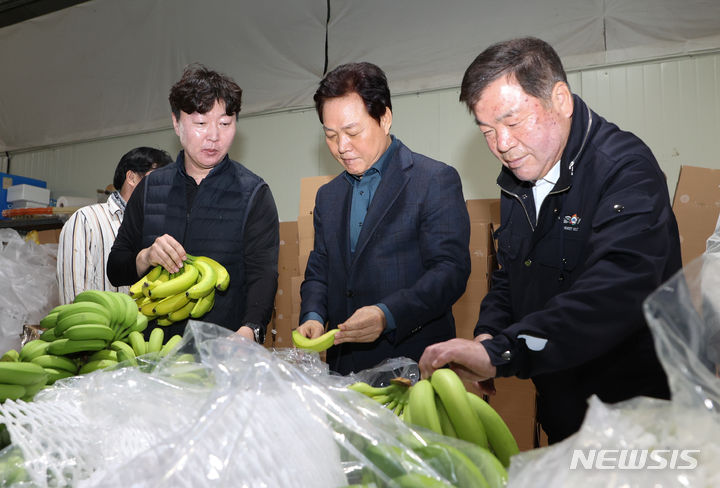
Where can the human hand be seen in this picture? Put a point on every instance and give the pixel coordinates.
(311, 329)
(246, 332)
(365, 325)
(467, 358)
(165, 251)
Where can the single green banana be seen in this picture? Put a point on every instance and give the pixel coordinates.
(206, 281)
(103, 298)
(183, 280)
(21, 373)
(452, 464)
(59, 308)
(183, 312)
(83, 332)
(32, 349)
(422, 406)
(156, 339)
(367, 389)
(11, 356)
(141, 323)
(170, 345)
(65, 346)
(11, 392)
(103, 354)
(170, 304)
(445, 423)
(84, 306)
(203, 305)
(137, 341)
(31, 390)
(320, 343)
(501, 440)
(223, 277)
(91, 366)
(125, 353)
(56, 362)
(55, 374)
(49, 321)
(489, 465)
(79, 318)
(48, 335)
(451, 390)
(130, 310)
(163, 321)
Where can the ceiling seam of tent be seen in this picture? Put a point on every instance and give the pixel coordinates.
(327, 28)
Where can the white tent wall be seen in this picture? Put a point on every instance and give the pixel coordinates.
(673, 104)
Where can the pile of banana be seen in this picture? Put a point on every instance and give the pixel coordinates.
(443, 405)
(189, 293)
(100, 329)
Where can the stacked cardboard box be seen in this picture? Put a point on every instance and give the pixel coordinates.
(296, 242)
(696, 206)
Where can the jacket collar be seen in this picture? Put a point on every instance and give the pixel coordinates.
(218, 169)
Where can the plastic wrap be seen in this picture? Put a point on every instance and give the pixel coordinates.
(646, 442)
(28, 287)
(223, 412)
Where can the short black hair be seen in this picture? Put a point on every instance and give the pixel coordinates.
(139, 160)
(365, 79)
(199, 89)
(533, 62)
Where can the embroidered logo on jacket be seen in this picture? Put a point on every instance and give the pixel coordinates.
(571, 222)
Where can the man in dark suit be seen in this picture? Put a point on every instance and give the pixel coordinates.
(392, 233)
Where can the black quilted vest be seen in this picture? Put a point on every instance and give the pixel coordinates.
(213, 227)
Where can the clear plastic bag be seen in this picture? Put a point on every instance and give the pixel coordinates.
(28, 285)
(222, 411)
(647, 442)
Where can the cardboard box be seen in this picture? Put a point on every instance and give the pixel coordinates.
(308, 189)
(515, 402)
(696, 206)
(48, 236)
(288, 250)
(484, 210)
(9, 180)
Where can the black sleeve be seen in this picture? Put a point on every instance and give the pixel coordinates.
(262, 238)
(121, 268)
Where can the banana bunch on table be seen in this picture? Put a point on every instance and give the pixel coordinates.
(189, 293)
(443, 405)
(98, 330)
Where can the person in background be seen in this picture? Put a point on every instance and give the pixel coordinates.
(587, 233)
(205, 204)
(89, 233)
(391, 251)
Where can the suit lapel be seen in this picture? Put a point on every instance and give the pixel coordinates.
(393, 181)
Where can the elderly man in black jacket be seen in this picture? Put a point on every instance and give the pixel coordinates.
(587, 232)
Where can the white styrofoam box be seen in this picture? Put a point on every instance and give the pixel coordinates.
(26, 204)
(29, 193)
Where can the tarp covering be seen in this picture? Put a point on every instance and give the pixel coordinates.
(104, 67)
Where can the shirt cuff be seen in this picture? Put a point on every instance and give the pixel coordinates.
(504, 355)
(312, 316)
(389, 319)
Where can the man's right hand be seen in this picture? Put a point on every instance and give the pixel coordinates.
(311, 329)
(165, 251)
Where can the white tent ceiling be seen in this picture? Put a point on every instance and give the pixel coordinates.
(104, 67)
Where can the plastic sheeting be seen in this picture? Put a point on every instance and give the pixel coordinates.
(28, 287)
(104, 67)
(647, 442)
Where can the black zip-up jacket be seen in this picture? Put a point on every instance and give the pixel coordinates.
(605, 238)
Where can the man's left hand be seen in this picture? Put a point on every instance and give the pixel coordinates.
(365, 325)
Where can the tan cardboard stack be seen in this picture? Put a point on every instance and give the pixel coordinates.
(296, 242)
(696, 206)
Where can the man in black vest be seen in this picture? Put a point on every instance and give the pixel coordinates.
(205, 205)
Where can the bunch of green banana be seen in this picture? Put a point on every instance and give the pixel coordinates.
(189, 293)
(442, 404)
(21, 380)
(318, 344)
(468, 467)
(394, 396)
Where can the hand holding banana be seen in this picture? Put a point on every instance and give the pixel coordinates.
(470, 356)
(188, 293)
